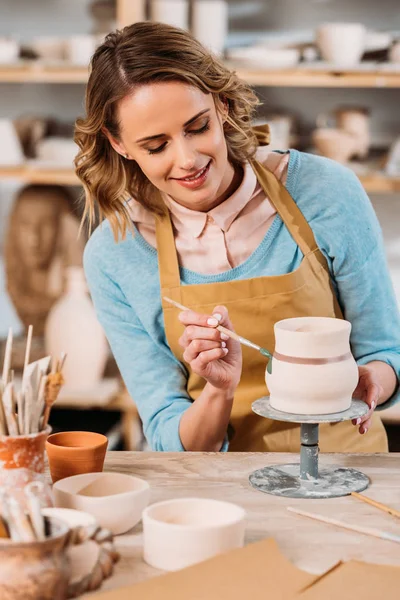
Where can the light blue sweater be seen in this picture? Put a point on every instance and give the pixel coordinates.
(124, 284)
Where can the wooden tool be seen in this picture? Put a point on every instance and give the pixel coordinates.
(387, 509)
(232, 335)
(383, 535)
(53, 386)
(7, 358)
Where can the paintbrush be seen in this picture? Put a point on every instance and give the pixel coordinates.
(232, 335)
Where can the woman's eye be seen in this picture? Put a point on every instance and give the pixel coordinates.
(156, 150)
(203, 129)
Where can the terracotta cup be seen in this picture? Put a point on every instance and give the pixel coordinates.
(75, 452)
(22, 461)
(35, 570)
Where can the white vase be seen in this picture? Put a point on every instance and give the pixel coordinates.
(210, 23)
(342, 44)
(172, 12)
(313, 370)
(72, 327)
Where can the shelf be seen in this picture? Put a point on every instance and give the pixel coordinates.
(373, 182)
(301, 77)
(319, 78)
(30, 174)
(40, 73)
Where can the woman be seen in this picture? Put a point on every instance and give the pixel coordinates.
(241, 235)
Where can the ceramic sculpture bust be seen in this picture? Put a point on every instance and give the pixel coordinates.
(41, 242)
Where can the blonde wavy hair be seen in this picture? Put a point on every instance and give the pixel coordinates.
(137, 55)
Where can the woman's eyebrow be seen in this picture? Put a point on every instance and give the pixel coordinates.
(160, 135)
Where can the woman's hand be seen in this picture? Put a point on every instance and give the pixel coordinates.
(210, 353)
(370, 391)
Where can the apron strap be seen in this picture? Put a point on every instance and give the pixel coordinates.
(287, 208)
(168, 265)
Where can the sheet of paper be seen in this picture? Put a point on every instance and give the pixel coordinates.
(256, 571)
(356, 580)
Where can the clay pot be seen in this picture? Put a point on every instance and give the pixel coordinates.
(313, 370)
(21, 462)
(341, 43)
(75, 452)
(355, 121)
(35, 570)
(336, 144)
(72, 327)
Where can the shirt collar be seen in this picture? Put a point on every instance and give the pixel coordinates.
(194, 221)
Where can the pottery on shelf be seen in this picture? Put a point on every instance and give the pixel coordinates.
(72, 327)
(181, 532)
(341, 44)
(75, 452)
(116, 500)
(355, 121)
(313, 370)
(334, 143)
(210, 23)
(35, 570)
(172, 12)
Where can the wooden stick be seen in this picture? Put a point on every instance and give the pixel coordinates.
(21, 411)
(28, 348)
(227, 332)
(35, 508)
(387, 509)
(7, 358)
(383, 535)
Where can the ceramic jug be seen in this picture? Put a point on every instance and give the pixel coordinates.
(35, 570)
(72, 327)
(313, 370)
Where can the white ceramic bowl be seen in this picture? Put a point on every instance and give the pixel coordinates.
(181, 532)
(115, 500)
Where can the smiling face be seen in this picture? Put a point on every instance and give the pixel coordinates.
(175, 134)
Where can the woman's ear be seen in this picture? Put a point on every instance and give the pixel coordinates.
(118, 147)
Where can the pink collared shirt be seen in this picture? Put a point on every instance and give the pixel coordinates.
(223, 238)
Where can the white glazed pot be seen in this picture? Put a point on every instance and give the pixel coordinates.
(210, 24)
(72, 327)
(342, 44)
(172, 12)
(313, 370)
(181, 532)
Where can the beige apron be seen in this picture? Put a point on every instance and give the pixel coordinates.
(254, 306)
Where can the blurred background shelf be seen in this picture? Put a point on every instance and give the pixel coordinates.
(374, 182)
(39, 73)
(301, 77)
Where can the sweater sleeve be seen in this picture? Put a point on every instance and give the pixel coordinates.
(153, 376)
(364, 287)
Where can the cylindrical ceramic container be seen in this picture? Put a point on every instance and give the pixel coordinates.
(313, 370)
(21, 462)
(181, 532)
(210, 23)
(35, 570)
(341, 44)
(172, 12)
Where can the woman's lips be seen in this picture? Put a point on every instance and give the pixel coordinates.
(197, 180)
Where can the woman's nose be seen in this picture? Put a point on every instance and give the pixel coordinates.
(185, 156)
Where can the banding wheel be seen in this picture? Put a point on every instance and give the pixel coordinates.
(305, 480)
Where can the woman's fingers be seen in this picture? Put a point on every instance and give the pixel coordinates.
(197, 347)
(193, 332)
(200, 364)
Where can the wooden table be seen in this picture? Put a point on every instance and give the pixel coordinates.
(311, 545)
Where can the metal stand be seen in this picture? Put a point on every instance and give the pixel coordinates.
(305, 480)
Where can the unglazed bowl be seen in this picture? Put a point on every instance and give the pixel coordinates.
(313, 370)
(184, 531)
(115, 500)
